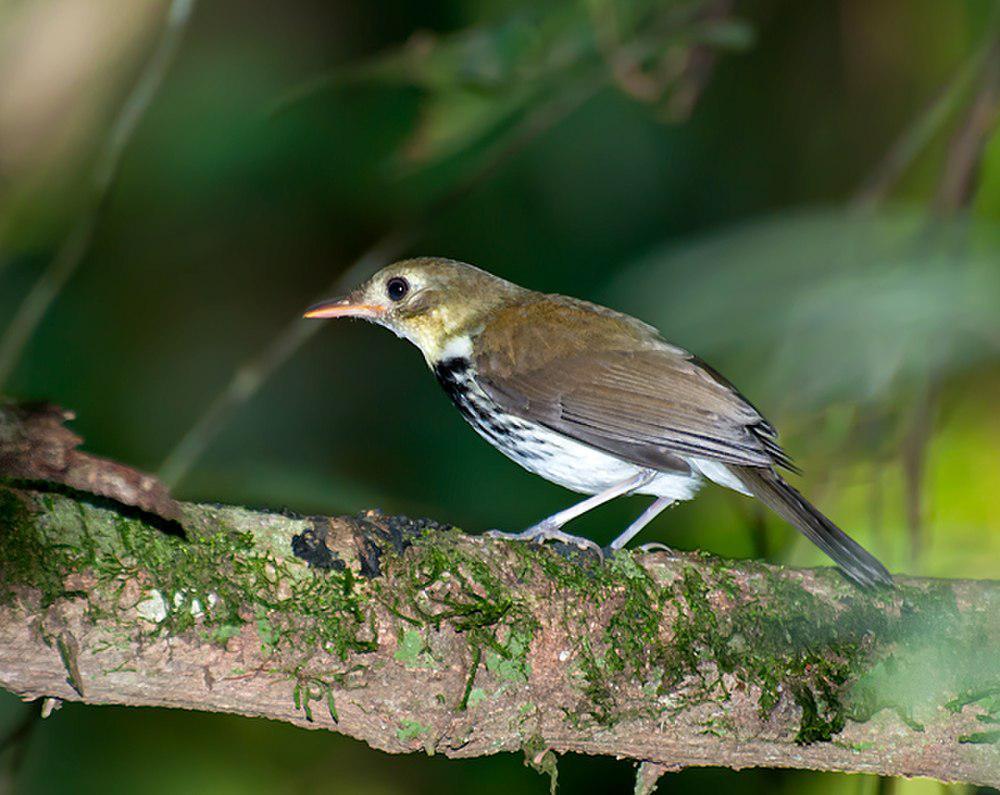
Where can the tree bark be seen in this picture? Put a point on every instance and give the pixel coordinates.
(412, 636)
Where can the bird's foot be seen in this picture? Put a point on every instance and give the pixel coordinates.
(542, 532)
(653, 546)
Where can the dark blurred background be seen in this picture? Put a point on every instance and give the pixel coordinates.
(805, 194)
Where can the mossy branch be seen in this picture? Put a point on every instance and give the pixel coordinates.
(411, 636)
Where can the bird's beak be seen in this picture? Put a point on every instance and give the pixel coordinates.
(344, 307)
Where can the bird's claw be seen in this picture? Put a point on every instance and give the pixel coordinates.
(653, 546)
(541, 533)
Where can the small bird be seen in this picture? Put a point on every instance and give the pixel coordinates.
(589, 398)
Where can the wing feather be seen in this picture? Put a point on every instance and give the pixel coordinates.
(622, 390)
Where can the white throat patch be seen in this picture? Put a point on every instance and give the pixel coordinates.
(457, 347)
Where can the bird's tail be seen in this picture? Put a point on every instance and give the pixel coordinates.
(855, 561)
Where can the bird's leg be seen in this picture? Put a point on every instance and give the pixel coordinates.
(644, 519)
(550, 529)
(563, 517)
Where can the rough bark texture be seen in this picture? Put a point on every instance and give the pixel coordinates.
(35, 445)
(411, 636)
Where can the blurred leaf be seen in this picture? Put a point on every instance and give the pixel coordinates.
(523, 46)
(730, 34)
(830, 305)
(452, 120)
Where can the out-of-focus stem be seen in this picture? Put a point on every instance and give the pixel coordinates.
(74, 248)
(966, 146)
(919, 134)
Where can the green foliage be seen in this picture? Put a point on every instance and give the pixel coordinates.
(478, 81)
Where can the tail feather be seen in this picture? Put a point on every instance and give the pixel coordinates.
(854, 560)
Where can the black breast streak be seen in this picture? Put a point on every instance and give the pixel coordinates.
(453, 376)
(456, 379)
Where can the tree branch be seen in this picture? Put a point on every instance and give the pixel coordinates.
(409, 636)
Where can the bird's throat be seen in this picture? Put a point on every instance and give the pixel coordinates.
(455, 347)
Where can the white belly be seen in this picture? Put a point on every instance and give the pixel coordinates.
(583, 469)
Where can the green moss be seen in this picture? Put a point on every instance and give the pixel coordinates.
(470, 680)
(696, 632)
(218, 581)
(718, 727)
(222, 633)
(603, 661)
(989, 697)
(413, 652)
(859, 747)
(834, 658)
(542, 759)
(778, 642)
(410, 730)
(981, 738)
(68, 654)
(213, 583)
(782, 639)
(437, 582)
(636, 623)
(509, 660)
(307, 690)
(28, 559)
(929, 664)
(821, 718)
(266, 631)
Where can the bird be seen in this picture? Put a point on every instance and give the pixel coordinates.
(589, 398)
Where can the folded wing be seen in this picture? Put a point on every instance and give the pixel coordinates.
(622, 390)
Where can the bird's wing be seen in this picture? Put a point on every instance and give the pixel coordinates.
(611, 382)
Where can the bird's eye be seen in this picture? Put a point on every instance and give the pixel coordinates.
(396, 288)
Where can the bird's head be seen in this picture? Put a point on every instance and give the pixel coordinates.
(437, 304)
